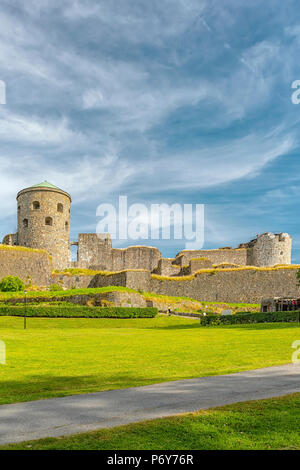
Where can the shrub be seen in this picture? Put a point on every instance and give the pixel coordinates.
(11, 284)
(55, 288)
(240, 318)
(78, 311)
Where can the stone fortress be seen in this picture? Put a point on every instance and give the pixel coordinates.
(42, 244)
(96, 252)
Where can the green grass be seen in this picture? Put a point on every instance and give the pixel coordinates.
(63, 293)
(257, 425)
(58, 357)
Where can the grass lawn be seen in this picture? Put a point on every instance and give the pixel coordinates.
(58, 357)
(262, 424)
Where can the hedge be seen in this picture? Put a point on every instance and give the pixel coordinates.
(81, 311)
(239, 318)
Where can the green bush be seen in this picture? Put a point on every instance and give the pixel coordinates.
(11, 284)
(240, 318)
(77, 311)
(55, 288)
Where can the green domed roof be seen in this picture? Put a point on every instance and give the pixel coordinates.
(45, 184)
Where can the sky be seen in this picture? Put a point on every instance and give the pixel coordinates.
(162, 101)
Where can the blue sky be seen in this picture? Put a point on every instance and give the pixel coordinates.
(170, 101)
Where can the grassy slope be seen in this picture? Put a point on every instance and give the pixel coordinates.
(57, 357)
(63, 293)
(178, 303)
(262, 424)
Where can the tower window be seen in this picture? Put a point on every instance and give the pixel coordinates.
(60, 208)
(67, 225)
(36, 205)
(48, 221)
(25, 223)
(19, 208)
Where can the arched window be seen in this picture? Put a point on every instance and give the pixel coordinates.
(67, 226)
(25, 223)
(19, 208)
(60, 207)
(48, 221)
(36, 205)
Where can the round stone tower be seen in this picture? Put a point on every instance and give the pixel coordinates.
(44, 221)
(270, 249)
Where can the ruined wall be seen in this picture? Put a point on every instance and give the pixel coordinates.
(135, 257)
(199, 263)
(246, 285)
(11, 239)
(29, 265)
(229, 255)
(94, 250)
(166, 267)
(137, 280)
(241, 285)
(69, 281)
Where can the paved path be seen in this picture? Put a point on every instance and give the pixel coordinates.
(81, 413)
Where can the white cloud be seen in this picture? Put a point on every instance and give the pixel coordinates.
(219, 164)
(32, 130)
(118, 71)
(85, 179)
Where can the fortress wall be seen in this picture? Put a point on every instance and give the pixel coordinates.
(71, 282)
(229, 255)
(137, 280)
(98, 253)
(94, 251)
(196, 264)
(27, 264)
(101, 280)
(247, 285)
(135, 257)
(166, 268)
(232, 286)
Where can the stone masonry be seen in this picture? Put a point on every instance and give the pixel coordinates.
(44, 223)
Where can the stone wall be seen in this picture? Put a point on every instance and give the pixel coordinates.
(166, 267)
(137, 280)
(69, 281)
(29, 265)
(135, 257)
(246, 285)
(95, 252)
(229, 255)
(199, 263)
